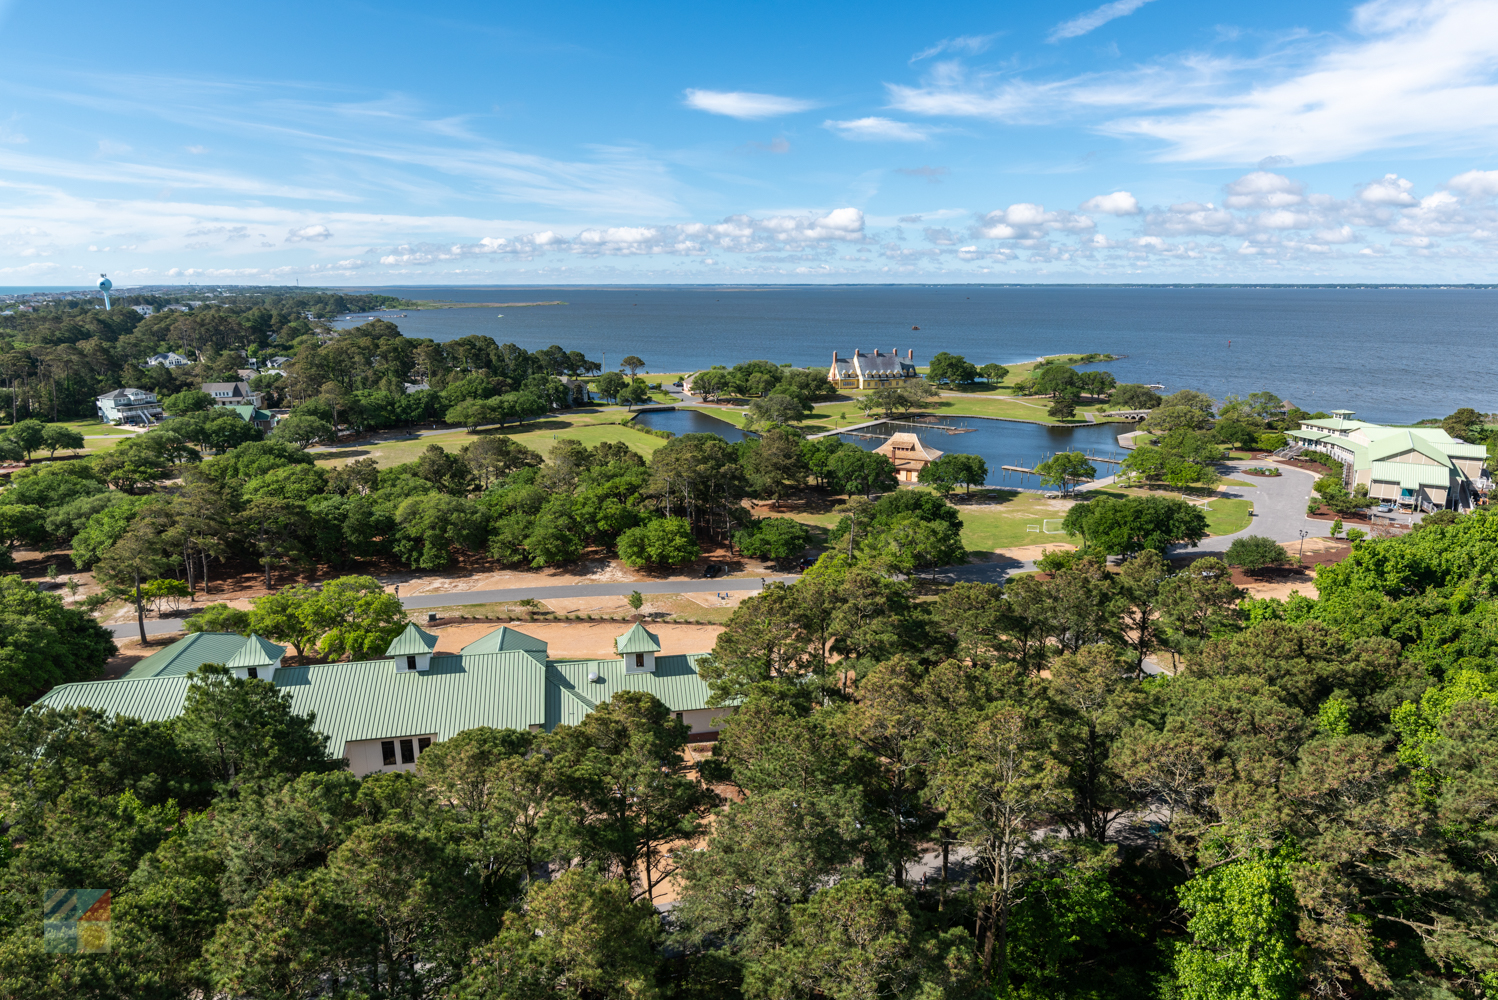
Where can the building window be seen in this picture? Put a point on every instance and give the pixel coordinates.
(678, 717)
(408, 752)
(640, 660)
(387, 749)
(410, 663)
(254, 673)
(422, 742)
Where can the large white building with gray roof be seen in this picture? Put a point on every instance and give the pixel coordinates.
(1419, 468)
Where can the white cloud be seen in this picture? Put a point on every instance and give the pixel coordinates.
(109, 148)
(1475, 183)
(1391, 190)
(1262, 189)
(742, 104)
(1027, 221)
(877, 130)
(1094, 19)
(971, 44)
(197, 150)
(309, 234)
(1117, 203)
(1422, 73)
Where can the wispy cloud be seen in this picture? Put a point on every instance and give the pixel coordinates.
(742, 104)
(878, 130)
(1413, 73)
(933, 175)
(1094, 19)
(969, 44)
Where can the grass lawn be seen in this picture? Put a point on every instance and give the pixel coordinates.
(1229, 516)
(1009, 519)
(588, 426)
(1225, 518)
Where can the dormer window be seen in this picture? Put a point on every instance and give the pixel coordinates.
(410, 663)
(254, 673)
(640, 661)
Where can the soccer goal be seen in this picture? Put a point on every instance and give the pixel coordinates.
(1052, 526)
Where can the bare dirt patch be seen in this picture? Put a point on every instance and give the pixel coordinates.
(585, 640)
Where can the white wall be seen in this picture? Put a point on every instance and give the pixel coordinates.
(702, 719)
(366, 757)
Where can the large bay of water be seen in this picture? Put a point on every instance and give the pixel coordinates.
(1394, 354)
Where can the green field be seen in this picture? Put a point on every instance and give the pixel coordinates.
(591, 427)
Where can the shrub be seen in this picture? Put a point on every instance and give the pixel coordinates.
(1255, 552)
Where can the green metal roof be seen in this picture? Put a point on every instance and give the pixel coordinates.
(637, 640)
(1409, 475)
(370, 699)
(247, 413)
(412, 642)
(188, 654)
(363, 700)
(506, 640)
(150, 699)
(256, 652)
(674, 681)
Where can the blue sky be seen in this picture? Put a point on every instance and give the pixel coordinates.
(475, 143)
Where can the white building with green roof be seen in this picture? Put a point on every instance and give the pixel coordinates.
(381, 714)
(1416, 467)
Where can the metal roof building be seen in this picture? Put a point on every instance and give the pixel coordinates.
(381, 714)
(1416, 467)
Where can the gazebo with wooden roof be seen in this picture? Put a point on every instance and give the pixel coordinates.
(909, 455)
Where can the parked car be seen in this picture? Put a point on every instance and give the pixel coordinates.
(1385, 508)
(712, 571)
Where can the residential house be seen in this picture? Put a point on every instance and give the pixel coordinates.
(383, 714)
(1414, 467)
(135, 407)
(232, 393)
(171, 359)
(145, 310)
(909, 455)
(262, 419)
(874, 370)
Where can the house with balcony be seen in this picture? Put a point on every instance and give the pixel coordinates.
(171, 359)
(231, 393)
(382, 714)
(872, 370)
(1417, 468)
(130, 407)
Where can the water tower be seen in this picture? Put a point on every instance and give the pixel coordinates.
(104, 286)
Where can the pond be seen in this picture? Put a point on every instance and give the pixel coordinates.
(681, 422)
(1002, 442)
(997, 442)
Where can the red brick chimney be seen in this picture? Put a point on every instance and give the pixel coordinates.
(910, 355)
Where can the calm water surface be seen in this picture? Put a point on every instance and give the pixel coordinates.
(1389, 354)
(997, 442)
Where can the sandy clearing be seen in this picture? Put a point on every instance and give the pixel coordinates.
(585, 640)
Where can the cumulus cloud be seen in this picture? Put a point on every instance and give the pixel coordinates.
(1094, 19)
(1263, 189)
(309, 234)
(1475, 183)
(877, 130)
(1390, 190)
(746, 105)
(1027, 221)
(1117, 203)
